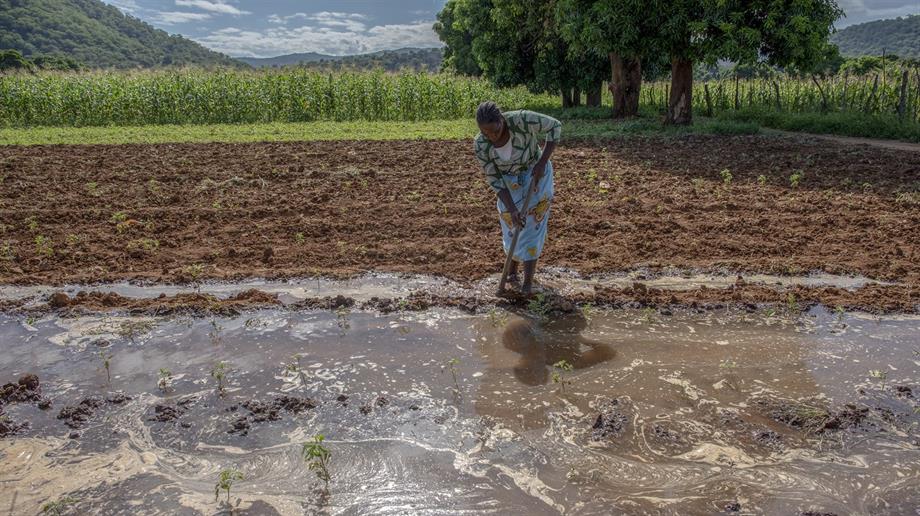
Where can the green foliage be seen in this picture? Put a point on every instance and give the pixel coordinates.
(559, 369)
(219, 372)
(900, 36)
(225, 481)
(317, 458)
(214, 97)
(454, 27)
(97, 34)
(164, 380)
(59, 506)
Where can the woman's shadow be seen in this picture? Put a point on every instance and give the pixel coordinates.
(540, 346)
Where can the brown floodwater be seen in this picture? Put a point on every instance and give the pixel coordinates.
(680, 413)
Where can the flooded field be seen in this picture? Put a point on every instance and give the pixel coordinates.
(442, 411)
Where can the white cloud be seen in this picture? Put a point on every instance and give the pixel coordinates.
(859, 11)
(128, 6)
(323, 38)
(214, 7)
(174, 17)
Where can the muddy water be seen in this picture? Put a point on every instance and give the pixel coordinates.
(686, 413)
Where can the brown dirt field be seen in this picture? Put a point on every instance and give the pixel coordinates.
(227, 211)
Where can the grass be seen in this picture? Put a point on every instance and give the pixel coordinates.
(580, 128)
(840, 123)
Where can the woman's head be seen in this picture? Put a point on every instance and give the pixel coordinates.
(490, 120)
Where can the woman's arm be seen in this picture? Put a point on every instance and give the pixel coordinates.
(516, 216)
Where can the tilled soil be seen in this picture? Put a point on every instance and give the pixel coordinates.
(186, 212)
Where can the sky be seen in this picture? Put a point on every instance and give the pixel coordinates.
(268, 28)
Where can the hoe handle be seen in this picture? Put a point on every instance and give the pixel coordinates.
(514, 239)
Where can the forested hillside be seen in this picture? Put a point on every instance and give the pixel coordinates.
(96, 35)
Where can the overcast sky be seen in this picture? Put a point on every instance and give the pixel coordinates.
(266, 28)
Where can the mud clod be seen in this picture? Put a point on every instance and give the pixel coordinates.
(610, 422)
(59, 300)
(260, 412)
(26, 389)
(75, 416)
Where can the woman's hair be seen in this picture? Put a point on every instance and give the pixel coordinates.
(488, 113)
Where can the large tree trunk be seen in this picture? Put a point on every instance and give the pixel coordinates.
(625, 85)
(594, 96)
(566, 98)
(576, 96)
(680, 102)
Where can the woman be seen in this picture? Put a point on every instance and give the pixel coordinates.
(509, 151)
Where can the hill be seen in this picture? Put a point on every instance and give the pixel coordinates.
(97, 35)
(390, 60)
(900, 36)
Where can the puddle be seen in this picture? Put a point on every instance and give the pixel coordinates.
(363, 288)
(686, 414)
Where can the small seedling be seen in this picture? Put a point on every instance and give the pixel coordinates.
(342, 318)
(792, 305)
(107, 364)
(317, 458)
(451, 365)
(539, 307)
(194, 273)
(796, 178)
(32, 224)
(497, 318)
(648, 314)
(299, 238)
(30, 320)
(43, 246)
(93, 188)
(225, 482)
(698, 184)
(59, 506)
(6, 252)
(588, 311)
(762, 180)
(840, 311)
(133, 329)
(295, 368)
(165, 379)
(219, 372)
(728, 364)
(878, 374)
(726, 177)
(559, 369)
(215, 334)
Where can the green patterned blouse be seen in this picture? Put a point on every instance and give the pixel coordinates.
(525, 126)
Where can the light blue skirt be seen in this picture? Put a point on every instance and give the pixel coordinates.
(530, 243)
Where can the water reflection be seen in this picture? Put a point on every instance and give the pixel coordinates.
(539, 346)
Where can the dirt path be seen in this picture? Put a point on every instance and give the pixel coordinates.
(179, 212)
(851, 140)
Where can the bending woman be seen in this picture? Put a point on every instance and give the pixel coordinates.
(509, 151)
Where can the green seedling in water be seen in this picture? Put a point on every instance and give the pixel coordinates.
(497, 318)
(295, 368)
(215, 334)
(559, 369)
(58, 507)
(648, 315)
(133, 329)
(30, 321)
(878, 374)
(225, 482)
(588, 311)
(219, 372)
(107, 364)
(165, 379)
(342, 318)
(451, 365)
(317, 458)
(539, 307)
(840, 311)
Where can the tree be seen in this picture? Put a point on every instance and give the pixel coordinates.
(454, 29)
(13, 60)
(780, 32)
(621, 31)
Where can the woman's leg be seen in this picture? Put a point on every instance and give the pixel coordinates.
(513, 271)
(529, 267)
